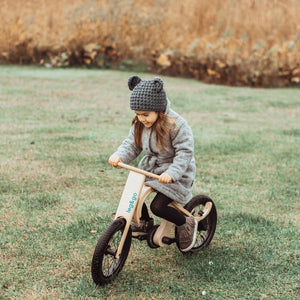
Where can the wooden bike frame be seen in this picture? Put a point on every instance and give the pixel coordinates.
(130, 207)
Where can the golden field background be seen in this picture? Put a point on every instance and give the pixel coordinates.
(234, 42)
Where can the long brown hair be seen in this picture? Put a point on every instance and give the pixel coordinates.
(163, 127)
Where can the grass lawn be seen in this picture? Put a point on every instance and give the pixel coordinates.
(57, 130)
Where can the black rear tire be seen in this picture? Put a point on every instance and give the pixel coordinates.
(206, 227)
(105, 266)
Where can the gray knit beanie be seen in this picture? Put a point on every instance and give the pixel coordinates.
(148, 95)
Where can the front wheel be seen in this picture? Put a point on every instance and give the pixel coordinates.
(105, 266)
(206, 227)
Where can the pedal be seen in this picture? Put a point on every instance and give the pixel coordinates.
(168, 241)
(140, 236)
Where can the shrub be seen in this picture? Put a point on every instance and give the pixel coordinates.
(254, 43)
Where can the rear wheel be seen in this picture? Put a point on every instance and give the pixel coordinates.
(105, 266)
(206, 227)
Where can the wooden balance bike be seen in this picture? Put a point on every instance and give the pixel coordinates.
(113, 246)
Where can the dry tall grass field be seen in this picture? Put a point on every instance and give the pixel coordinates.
(246, 42)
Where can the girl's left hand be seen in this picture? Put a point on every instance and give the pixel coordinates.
(165, 178)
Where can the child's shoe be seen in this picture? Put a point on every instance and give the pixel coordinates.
(187, 234)
(141, 228)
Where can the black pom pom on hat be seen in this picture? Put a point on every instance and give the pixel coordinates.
(147, 95)
(133, 81)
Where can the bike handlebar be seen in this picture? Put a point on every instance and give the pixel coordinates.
(137, 170)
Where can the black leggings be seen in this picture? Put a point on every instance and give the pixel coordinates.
(159, 206)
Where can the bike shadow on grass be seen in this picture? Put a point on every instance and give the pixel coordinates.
(246, 249)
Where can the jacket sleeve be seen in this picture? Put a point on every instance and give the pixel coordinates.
(128, 150)
(183, 144)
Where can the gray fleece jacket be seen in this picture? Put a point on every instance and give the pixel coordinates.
(178, 161)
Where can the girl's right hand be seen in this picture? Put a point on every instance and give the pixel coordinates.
(114, 160)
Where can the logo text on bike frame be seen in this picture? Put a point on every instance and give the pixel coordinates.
(131, 202)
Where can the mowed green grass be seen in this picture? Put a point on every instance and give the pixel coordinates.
(57, 130)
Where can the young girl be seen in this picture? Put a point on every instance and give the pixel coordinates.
(167, 141)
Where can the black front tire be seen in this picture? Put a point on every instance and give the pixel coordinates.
(105, 266)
